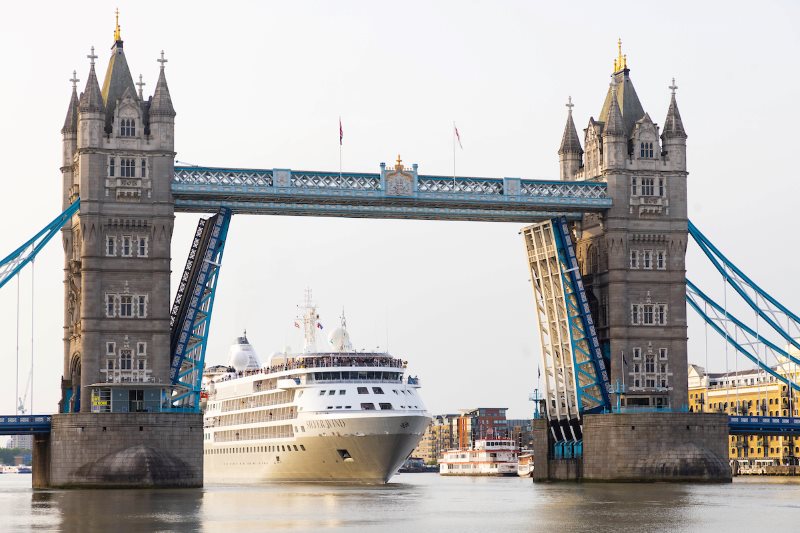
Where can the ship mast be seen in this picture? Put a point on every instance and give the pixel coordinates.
(310, 319)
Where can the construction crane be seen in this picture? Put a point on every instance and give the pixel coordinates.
(21, 410)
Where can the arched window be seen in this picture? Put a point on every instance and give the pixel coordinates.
(650, 150)
(128, 168)
(127, 127)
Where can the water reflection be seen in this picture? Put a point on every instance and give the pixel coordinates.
(413, 502)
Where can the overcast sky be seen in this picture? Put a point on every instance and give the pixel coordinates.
(262, 85)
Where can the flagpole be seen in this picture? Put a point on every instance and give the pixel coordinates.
(454, 156)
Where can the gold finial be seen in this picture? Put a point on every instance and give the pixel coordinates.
(621, 62)
(399, 164)
(117, 36)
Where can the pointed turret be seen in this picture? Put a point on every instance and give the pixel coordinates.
(673, 138)
(615, 144)
(91, 98)
(673, 125)
(161, 105)
(570, 153)
(71, 121)
(628, 101)
(118, 80)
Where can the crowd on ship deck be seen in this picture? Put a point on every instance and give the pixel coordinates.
(328, 361)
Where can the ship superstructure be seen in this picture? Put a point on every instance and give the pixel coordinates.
(339, 415)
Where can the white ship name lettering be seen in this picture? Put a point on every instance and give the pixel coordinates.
(326, 424)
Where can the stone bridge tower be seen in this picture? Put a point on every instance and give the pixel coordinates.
(633, 256)
(118, 158)
(115, 427)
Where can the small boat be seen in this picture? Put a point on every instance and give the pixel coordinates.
(525, 464)
(489, 457)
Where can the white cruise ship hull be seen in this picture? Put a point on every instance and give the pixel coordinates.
(364, 449)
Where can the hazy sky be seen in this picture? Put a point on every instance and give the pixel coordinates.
(263, 84)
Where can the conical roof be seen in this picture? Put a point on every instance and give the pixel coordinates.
(91, 98)
(673, 125)
(118, 80)
(161, 104)
(614, 120)
(71, 121)
(570, 142)
(628, 101)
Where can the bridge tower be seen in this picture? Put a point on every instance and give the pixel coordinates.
(118, 153)
(632, 256)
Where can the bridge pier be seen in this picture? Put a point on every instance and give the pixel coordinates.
(640, 447)
(120, 450)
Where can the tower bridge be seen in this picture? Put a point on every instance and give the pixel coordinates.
(605, 245)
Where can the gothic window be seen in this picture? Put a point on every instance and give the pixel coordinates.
(633, 187)
(127, 127)
(141, 246)
(649, 365)
(637, 353)
(661, 259)
(648, 187)
(141, 306)
(110, 364)
(662, 353)
(111, 245)
(646, 150)
(144, 168)
(650, 383)
(636, 383)
(128, 168)
(125, 360)
(647, 314)
(634, 260)
(111, 348)
(126, 306)
(141, 348)
(635, 314)
(661, 314)
(110, 305)
(111, 164)
(661, 186)
(141, 364)
(647, 259)
(126, 246)
(636, 367)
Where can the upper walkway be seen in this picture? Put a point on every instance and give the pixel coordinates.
(24, 424)
(391, 193)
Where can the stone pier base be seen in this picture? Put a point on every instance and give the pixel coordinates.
(125, 450)
(641, 447)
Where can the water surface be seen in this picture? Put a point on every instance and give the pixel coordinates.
(411, 502)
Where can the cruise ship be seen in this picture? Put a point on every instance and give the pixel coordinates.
(335, 415)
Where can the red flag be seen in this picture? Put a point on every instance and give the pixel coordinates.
(341, 131)
(458, 137)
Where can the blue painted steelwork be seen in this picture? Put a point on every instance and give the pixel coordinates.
(366, 195)
(16, 260)
(191, 327)
(592, 383)
(764, 425)
(741, 282)
(700, 302)
(24, 424)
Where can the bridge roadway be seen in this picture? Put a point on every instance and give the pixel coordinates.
(399, 193)
(738, 425)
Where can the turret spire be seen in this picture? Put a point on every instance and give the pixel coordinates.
(570, 142)
(673, 125)
(91, 98)
(614, 124)
(71, 121)
(162, 102)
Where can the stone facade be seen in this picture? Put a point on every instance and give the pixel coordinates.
(640, 447)
(118, 152)
(121, 450)
(655, 447)
(632, 257)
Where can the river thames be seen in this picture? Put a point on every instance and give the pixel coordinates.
(411, 502)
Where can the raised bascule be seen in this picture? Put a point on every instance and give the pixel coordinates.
(605, 245)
